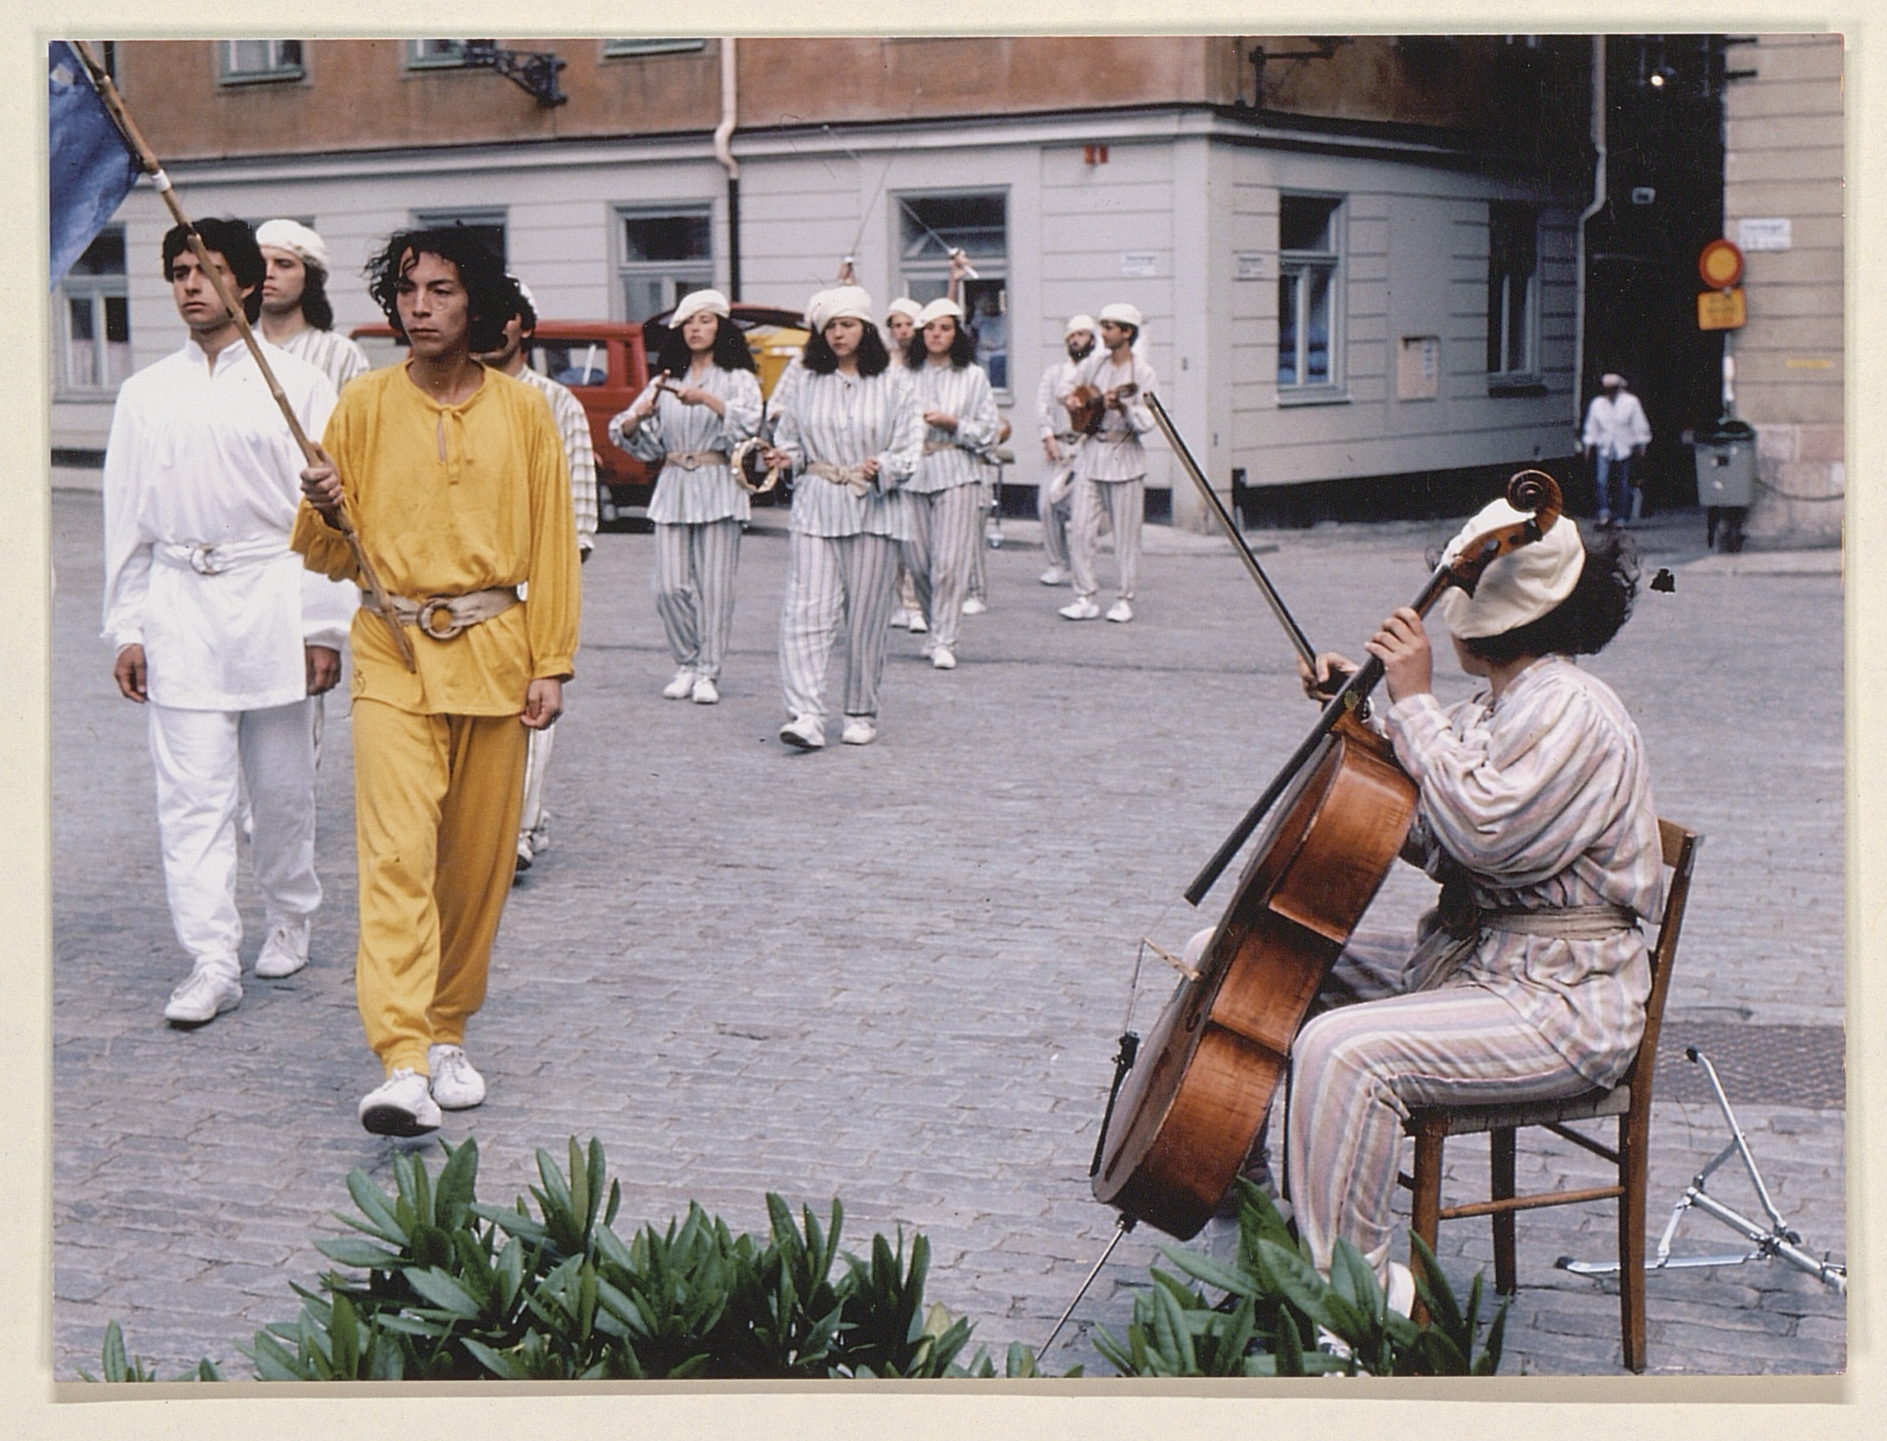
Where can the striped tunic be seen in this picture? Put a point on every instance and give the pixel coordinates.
(1544, 797)
(844, 420)
(337, 357)
(1116, 452)
(964, 393)
(708, 492)
(573, 428)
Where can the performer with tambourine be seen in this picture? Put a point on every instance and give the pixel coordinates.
(703, 403)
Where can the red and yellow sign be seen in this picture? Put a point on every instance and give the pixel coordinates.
(1720, 310)
(1720, 264)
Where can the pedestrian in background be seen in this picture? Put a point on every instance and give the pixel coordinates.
(1053, 497)
(296, 312)
(1616, 435)
(1111, 464)
(850, 432)
(703, 402)
(217, 630)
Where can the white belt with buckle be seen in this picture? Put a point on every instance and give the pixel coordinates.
(443, 616)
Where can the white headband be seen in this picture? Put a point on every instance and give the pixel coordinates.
(1522, 585)
(906, 306)
(297, 239)
(938, 309)
(1078, 322)
(844, 302)
(697, 301)
(1122, 313)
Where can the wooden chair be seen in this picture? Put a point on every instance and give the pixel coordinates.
(1630, 1101)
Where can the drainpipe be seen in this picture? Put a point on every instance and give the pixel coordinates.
(722, 133)
(1599, 183)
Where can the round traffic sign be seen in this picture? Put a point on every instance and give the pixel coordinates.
(1720, 264)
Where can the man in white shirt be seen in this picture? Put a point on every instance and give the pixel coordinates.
(296, 313)
(579, 449)
(217, 628)
(1054, 497)
(1111, 463)
(1616, 434)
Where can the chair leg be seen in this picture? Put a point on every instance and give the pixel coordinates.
(1501, 1188)
(1425, 1203)
(1631, 1242)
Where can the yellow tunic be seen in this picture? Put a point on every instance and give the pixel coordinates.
(450, 499)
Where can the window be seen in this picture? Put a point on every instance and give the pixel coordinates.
(1308, 309)
(665, 254)
(651, 47)
(487, 225)
(246, 62)
(434, 54)
(977, 223)
(1513, 291)
(92, 324)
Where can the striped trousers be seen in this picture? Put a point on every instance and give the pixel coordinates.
(1356, 1073)
(694, 591)
(1124, 504)
(834, 581)
(941, 554)
(1054, 516)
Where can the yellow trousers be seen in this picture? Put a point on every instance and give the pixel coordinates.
(436, 801)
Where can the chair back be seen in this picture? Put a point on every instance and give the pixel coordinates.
(1680, 855)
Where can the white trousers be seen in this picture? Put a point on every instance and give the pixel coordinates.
(834, 581)
(694, 591)
(946, 529)
(1123, 503)
(534, 818)
(1054, 516)
(202, 759)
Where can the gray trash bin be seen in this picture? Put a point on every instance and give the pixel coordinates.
(1726, 478)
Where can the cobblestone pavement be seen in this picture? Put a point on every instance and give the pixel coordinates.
(895, 974)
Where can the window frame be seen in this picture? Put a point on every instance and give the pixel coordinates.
(276, 71)
(927, 278)
(625, 48)
(1503, 375)
(473, 217)
(679, 276)
(1296, 268)
(100, 289)
(416, 58)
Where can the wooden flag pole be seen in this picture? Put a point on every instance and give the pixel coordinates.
(147, 159)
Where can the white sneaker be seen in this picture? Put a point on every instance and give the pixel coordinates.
(401, 1105)
(1081, 608)
(918, 624)
(285, 951)
(204, 995)
(900, 619)
(974, 606)
(943, 658)
(1120, 611)
(859, 731)
(526, 854)
(705, 691)
(681, 687)
(1054, 575)
(456, 1084)
(807, 732)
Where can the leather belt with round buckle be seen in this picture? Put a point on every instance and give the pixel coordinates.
(429, 614)
(203, 560)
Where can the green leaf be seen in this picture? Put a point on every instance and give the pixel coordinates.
(444, 1292)
(1212, 1271)
(350, 1252)
(458, 1183)
(376, 1207)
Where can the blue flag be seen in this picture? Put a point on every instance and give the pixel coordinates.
(91, 168)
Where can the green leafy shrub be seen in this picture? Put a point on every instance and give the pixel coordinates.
(1279, 1317)
(115, 1365)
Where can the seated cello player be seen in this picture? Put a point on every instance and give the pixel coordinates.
(1529, 978)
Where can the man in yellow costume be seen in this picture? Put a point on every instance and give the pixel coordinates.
(455, 478)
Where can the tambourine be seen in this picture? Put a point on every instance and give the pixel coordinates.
(750, 470)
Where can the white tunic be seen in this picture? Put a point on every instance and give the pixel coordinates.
(329, 352)
(708, 491)
(845, 420)
(1616, 427)
(947, 458)
(573, 428)
(202, 479)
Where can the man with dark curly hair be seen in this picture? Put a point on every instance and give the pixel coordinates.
(455, 476)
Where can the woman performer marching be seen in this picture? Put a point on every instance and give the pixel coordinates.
(953, 395)
(900, 325)
(850, 432)
(1529, 979)
(705, 401)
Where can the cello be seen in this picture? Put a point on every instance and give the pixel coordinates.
(1187, 1106)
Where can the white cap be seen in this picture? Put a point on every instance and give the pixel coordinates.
(297, 239)
(1522, 585)
(1078, 322)
(904, 305)
(938, 309)
(1122, 313)
(697, 301)
(1610, 379)
(842, 302)
(525, 291)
